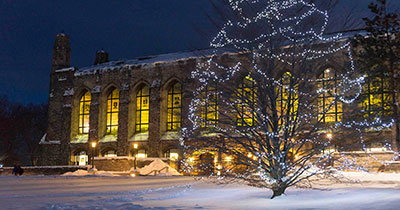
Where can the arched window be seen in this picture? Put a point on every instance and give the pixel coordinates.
(329, 108)
(377, 96)
(84, 111)
(287, 101)
(174, 118)
(110, 153)
(112, 112)
(246, 102)
(142, 109)
(209, 108)
(141, 153)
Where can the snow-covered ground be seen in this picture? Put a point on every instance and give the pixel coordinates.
(374, 191)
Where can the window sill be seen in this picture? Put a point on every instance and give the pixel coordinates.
(140, 136)
(109, 138)
(79, 139)
(171, 135)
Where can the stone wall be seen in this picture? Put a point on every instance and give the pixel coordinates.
(121, 163)
(43, 170)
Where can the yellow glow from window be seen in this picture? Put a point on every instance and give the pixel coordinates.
(84, 113)
(247, 102)
(209, 108)
(112, 112)
(80, 158)
(329, 109)
(377, 97)
(228, 159)
(141, 153)
(110, 153)
(174, 102)
(283, 101)
(142, 109)
(173, 156)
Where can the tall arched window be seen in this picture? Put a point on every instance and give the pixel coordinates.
(209, 108)
(112, 112)
(377, 96)
(329, 108)
(174, 118)
(84, 111)
(246, 102)
(142, 109)
(287, 101)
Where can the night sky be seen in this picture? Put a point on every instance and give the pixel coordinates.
(124, 28)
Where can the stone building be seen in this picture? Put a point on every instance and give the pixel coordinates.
(109, 103)
(129, 108)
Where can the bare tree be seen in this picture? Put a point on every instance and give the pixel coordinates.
(260, 107)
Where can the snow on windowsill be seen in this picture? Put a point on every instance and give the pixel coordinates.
(171, 135)
(140, 137)
(109, 138)
(80, 139)
(65, 69)
(43, 140)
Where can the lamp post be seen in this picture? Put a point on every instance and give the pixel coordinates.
(93, 148)
(135, 147)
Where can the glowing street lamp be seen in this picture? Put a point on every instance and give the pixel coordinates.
(135, 148)
(329, 135)
(93, 148)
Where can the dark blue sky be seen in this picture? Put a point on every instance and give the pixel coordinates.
(124, 28)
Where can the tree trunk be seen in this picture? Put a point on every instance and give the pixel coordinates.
(278, 190)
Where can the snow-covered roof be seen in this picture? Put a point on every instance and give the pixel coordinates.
(149, 61)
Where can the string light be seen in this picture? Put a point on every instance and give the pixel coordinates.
(313, 44)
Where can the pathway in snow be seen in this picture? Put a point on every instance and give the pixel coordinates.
(57, 192)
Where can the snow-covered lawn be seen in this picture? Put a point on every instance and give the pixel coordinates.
(375, 191)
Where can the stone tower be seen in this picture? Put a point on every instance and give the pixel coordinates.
(61, 52)
(55, 147)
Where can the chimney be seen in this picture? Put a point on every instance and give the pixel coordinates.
(101, 57)
(61, 52)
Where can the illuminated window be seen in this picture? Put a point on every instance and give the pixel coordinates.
(209, 108)
(112, 112)
(174, 107)
(284, 104)
(142, 109)
(329, 107)
(110, 153)
(377, 97)
(246, 102)
(80, 158)
(172, 154)
(84, 109)
(142, 153)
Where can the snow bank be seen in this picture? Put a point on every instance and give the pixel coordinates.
(81, 172)
(158, 165)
